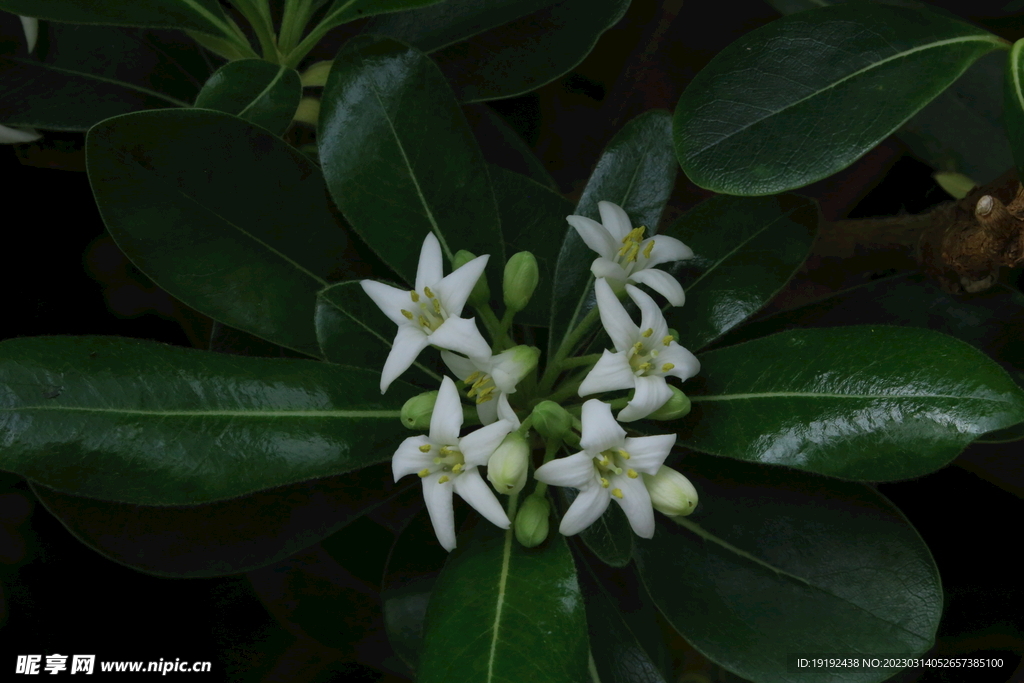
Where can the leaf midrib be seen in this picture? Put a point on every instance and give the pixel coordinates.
(807, 394)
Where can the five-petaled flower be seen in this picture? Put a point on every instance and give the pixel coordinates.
(609, 466)
(644, 355)
(489, 380)
(625, 256)
(447, 463)
(429, 314)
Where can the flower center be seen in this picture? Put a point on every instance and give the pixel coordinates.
(612, 463)
(643, 355)
(449, 460)
(481, 385)
(630, 251)
(427, 310)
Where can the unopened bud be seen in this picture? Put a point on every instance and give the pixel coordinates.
(672, 494)
(676, 407)
(521, 277)
(532, 521)
(481, 294)
(417, 411)
(551, 420)
(507, 466)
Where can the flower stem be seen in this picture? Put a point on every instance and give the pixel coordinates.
(580, 360)
(569, 342)
(494, 328)
(550, 448)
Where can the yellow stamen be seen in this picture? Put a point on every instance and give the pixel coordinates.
(425, 448)
(458, 468)
(644, 367)
(638, 347)
(483, 399)
(426, 290)
(424, 322)
(668, 339)
(444, 480)
(623, 454)
(407, 314)
(437, 306)
(445, 451)
(633, 251)
(666, 367)
(617, 493)
(424, 473)
(648, 249)
(647, 333)
(604, 482)
(472, 378)
(604, 461)
(414, 295)
(631, 474)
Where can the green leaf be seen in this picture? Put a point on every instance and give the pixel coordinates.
(775, 564)
(502, 612)
(502, 146)
(610, 538)
(745, 251)
(1014, 103)
(226, 537)
(868, 403)
(223, 215)
(259, 92)
(401, 161)
(140, 422)
(343, 11)
(636, 171)
(198, 15)
(808, 94)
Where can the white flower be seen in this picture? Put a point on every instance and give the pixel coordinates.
(447, 463)
(644, 355)
(625, 256)
(609, 466)
(492, 378)
(429, 314)
(11, 136)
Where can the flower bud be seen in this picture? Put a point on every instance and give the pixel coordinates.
(521, 277)
(507, 466)
(676, 407)
(532, 521)
(672, 494)
(481, 294)
(417, 411)
(551, 420)
(514, 365)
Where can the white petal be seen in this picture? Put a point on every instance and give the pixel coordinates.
(31, 27)
(648, 453)
(506, 413)
(390, 300)
(594, 236)
(665, 250)
(611, 372)
(477, 447)
(614, 220)
(652, 392)
(662, 283)
(471, 487)
(409, 341)
(576, 471)
(686, 364)
(10, 136)
(430, 269)
(636, 503)
(455, 289)
(600, 430)
(584, 511)
(438, 498)
(409, 458)
(487, 411)
(446, 420)
(461, 335)
(610, 270)
(461, 367)
(650, 314)
(617, 324)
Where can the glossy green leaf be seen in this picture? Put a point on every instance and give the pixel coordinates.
(807, 95)
(400, 160)
(226, 537)
(636, 171)
(610, 538)
(223, 215)
(777, 564)
(868, 403)
(343, 11)
(140, 422)
(198, 15)
(502, 612)
(502, 146)
(532, 219)
(259, 92)
(745, 250)
(1014, 103)
(353, 331)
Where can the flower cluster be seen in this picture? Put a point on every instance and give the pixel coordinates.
(502, 380)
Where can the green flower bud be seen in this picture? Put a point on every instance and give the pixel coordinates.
(481, 294)
(551, 420)
(417, 411)
(672, 494)
(532, 521)
(521, 276)
(507, 466)
(676, 407)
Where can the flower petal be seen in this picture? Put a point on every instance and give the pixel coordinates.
(614, 220)
(662, 283)
(455, 289)
(461, 335)
(390, 300)
(617, 324)
(652, 392)
(594, 236)
(647, 453)
(446, 420)
(611, 372)
(665, 250)
(16, 135)
(610, 270)
(487, 411)
(409, 341)
(477, 447)
(650, 314)
(600, 430)
(576, 471)
(636, 503)
(409, 458)
(438, 498)
(471, 487)
(584, 511)
(430, 269)
(686, 364)
(506, 413)
(461, 367)
(30, 26)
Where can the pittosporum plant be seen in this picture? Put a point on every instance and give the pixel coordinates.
(460, 331)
